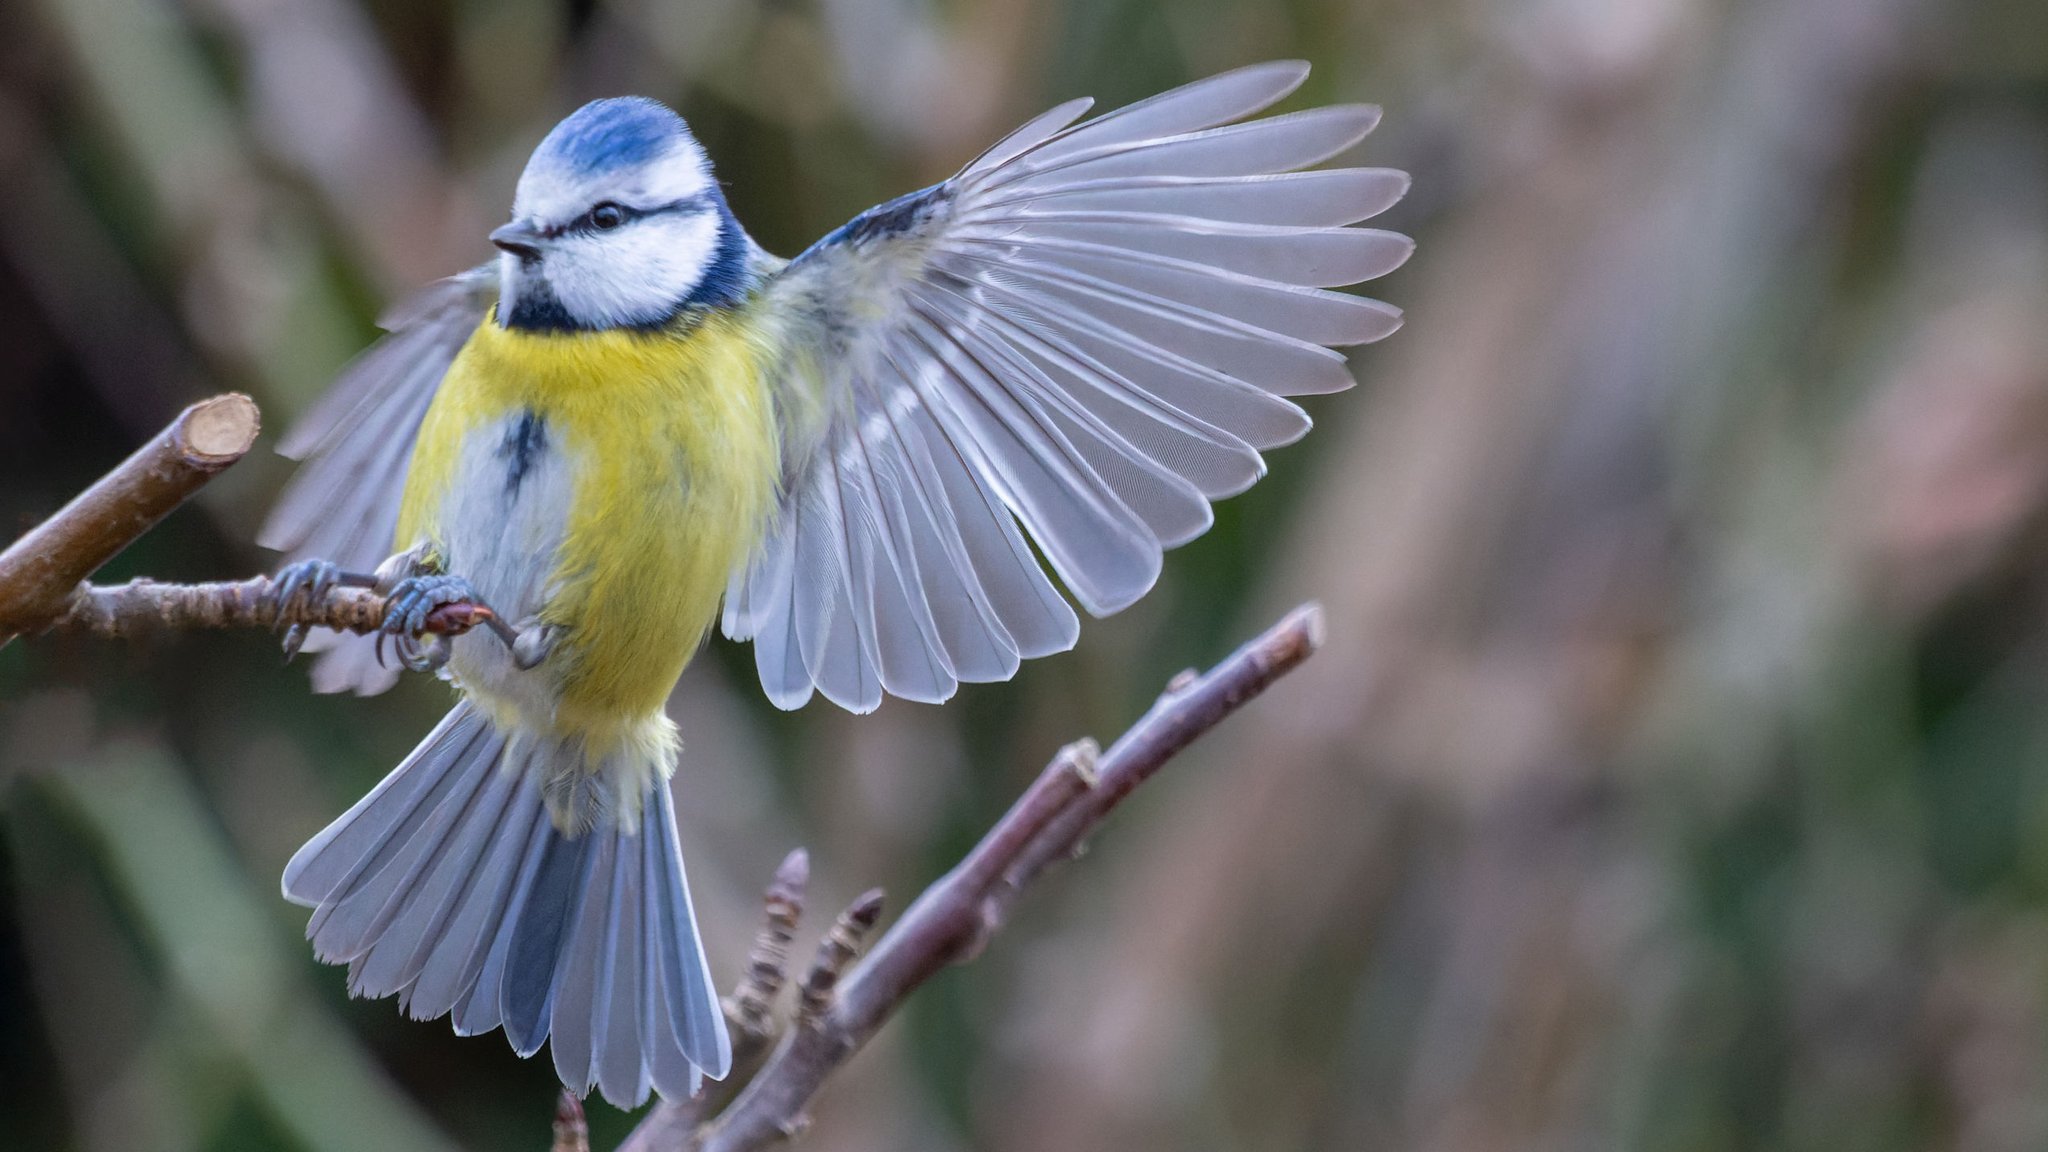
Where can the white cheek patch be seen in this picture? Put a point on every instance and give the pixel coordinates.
(635, 275)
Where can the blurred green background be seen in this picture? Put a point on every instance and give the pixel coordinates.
(1676, 777)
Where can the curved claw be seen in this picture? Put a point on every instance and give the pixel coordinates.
(294, 639)
(419, 655)
(304, 582)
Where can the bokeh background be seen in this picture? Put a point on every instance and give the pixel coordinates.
(1676, 777)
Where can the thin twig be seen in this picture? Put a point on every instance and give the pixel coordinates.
(126, 611)
(750, 1005)
(1190, 706)
(572, 1131)
(39, 571)
(837, 950)
(953, 918)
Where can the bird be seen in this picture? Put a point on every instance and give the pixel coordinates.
(879, 462)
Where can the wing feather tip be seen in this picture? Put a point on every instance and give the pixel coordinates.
(916, 695)
(1102, 603)
(1385, 320)
(278, 539)
(1369, 116)
(788, 699)
(1395, 317)
(1295, 72)
(1402, 242)
(1066, 644)
(1258, 474)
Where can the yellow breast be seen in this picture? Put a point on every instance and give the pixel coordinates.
(670, 444)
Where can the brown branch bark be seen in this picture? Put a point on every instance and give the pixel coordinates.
(572, 1129)
(126, 611)
(41, 574)
(40, 570)
(954, 918)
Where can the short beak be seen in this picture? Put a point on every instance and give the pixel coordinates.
(519, 238)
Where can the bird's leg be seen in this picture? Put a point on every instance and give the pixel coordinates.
(307, 582)
(532, 644)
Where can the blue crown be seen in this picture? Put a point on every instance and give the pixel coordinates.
(608, 135)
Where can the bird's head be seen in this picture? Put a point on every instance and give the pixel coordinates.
(617, 223)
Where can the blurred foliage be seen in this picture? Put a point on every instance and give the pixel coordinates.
(1676, 778)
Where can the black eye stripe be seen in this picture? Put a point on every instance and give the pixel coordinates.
(586, 225)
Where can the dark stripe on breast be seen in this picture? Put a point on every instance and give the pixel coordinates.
(525, 440)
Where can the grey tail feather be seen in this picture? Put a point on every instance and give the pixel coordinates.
(449, 887)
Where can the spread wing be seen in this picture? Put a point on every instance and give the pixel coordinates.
(356, 442)
(1082, 338)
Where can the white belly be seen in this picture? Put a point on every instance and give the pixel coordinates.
(502, 525)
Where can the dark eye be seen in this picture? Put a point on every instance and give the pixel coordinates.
(607, 216)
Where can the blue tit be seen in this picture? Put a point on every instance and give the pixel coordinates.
(637, 424)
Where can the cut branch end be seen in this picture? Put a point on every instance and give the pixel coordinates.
(220, 431)
(39, 571)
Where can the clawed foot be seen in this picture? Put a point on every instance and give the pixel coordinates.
(414, 598)
(307, 582)
(406, 609)
(413, 593)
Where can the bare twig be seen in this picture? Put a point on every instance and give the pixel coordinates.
(749, 1005)
(837, 950)
(39, 571)
(572, 1131)
(125, 611)
(953, 918)
(1190, 706)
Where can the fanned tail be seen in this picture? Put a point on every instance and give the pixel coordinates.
(450, 887)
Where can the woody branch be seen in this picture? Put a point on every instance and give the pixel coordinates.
(42, 574)
(839, 1009)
